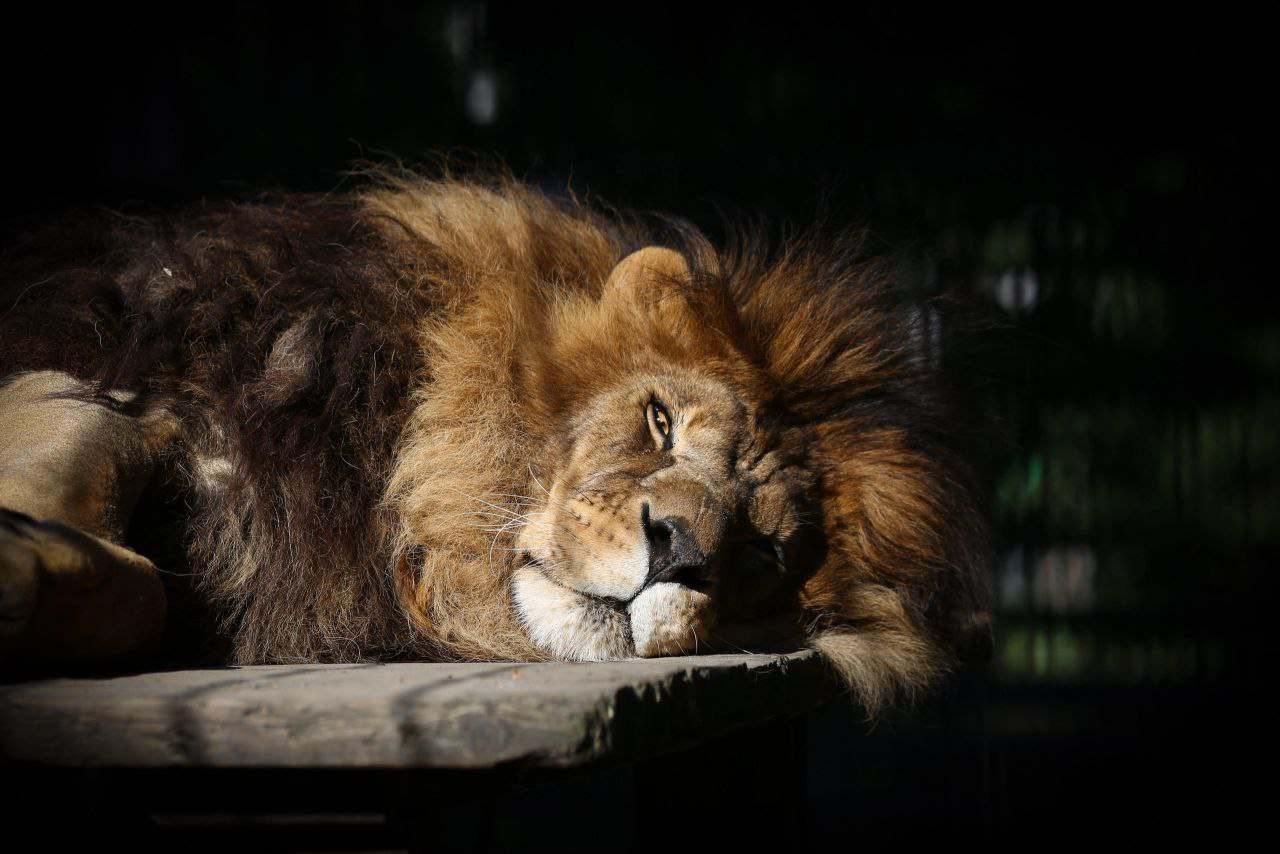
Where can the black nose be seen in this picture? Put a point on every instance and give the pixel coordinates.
(673, 554)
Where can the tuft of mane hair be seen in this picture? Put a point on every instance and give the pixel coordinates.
(906, 542)
(342, 370)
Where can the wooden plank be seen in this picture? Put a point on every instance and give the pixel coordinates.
(403, 715)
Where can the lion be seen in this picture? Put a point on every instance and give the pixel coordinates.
(459, 419)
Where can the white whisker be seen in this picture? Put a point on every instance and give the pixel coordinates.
(538, 482)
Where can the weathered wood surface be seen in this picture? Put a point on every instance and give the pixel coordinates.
(402, 715)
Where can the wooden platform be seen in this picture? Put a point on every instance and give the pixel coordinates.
(400, 716)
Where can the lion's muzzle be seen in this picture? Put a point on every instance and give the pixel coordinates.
(674, 555)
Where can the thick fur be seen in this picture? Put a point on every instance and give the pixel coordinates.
(348, 382)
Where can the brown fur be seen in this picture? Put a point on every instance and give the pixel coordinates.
(352, 382)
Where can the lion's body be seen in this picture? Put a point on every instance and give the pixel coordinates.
(331, 392)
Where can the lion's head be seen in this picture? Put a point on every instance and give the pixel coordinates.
(635, 452)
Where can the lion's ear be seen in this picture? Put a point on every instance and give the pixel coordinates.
(653, 277)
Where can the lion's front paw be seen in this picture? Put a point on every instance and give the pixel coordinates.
(67, 595)
(19, 578)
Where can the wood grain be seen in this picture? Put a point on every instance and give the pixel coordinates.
(403, 715)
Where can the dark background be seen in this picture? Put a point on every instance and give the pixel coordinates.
(1097, 187)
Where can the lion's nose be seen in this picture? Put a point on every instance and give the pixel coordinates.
(673, 554)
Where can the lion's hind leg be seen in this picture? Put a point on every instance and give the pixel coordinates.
(71, 472)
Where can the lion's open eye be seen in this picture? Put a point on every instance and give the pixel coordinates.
(660, 424)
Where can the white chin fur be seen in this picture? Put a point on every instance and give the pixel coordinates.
(667, 619)
(568, 625)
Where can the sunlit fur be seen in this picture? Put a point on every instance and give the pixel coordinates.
(411, 421)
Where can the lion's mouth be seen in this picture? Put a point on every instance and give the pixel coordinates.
(611, 602)
(661, 619)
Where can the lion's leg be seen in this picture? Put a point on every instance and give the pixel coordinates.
(71, 472)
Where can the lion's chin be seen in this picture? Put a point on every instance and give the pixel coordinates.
(665, 619)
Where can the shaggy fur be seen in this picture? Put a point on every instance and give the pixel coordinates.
(348, 381)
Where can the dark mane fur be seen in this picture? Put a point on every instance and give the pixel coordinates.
(282, 336)
(844, 342)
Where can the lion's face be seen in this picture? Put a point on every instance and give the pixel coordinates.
(668, 514)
